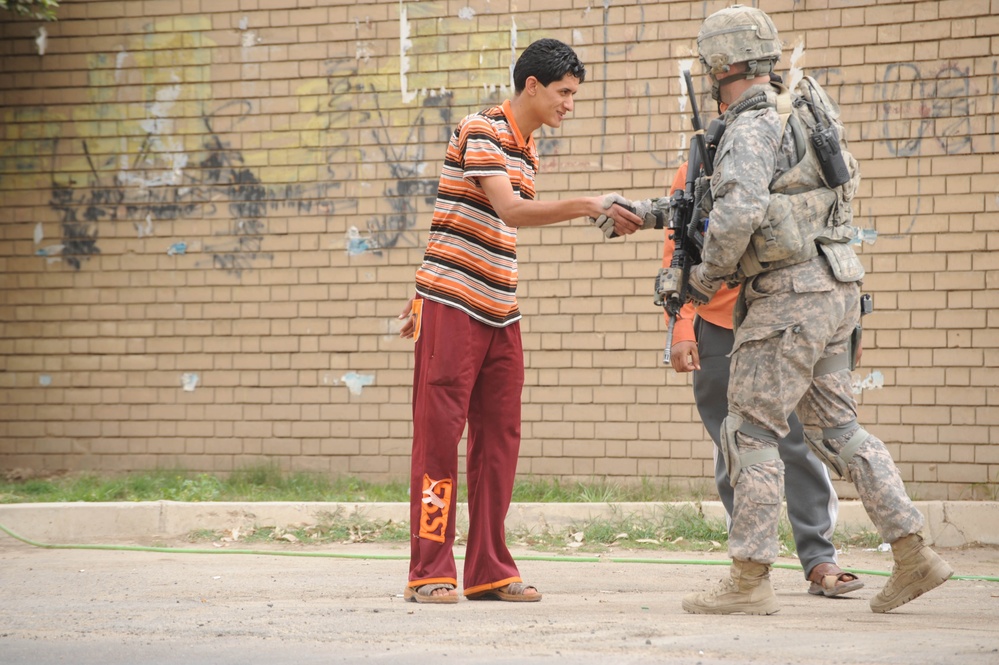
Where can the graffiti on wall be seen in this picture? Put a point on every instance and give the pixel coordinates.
(936, 105)
(365, 137)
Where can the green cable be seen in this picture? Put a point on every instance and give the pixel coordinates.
(405, 557)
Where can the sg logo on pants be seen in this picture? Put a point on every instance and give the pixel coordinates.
(436, 505)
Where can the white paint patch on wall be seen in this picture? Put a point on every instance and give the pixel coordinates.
(249, 39)
(42, 41)
(159, 126)
(355, 382)
(405, 43)
(873, 380)
(684, 66)
(144, 229)
(119, 63)
(513, 49)
(466, 13)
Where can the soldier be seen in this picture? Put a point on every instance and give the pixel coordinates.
(780, 225)
(702, 341)
(792, 344)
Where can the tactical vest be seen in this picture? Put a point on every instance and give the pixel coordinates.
(806, 215)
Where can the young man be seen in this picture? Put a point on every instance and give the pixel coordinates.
(469, 363)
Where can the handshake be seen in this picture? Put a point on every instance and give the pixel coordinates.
(653, 213)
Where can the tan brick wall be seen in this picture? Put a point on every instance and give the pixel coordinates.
(179, 179)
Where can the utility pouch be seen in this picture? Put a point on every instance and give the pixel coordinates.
(778, 236)
(846, 267)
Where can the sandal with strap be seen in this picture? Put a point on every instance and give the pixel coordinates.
(827, 579)
(513, 592)
(425, 594)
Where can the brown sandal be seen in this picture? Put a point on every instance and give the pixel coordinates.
(512, 592)
(425, 594)
(827, 579)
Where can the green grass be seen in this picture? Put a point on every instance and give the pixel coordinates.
(268, 483)
(264, 483)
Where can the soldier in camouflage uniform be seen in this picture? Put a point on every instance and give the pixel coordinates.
(780, 228)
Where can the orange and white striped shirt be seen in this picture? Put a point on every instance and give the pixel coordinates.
(471, 257)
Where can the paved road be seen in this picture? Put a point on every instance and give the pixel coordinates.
(114, 607)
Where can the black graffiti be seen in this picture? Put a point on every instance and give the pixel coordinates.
(943, 108)
(226, 173)
(341, 154)
(79, 236)
(79, 239)
(406, 160)
(141, 196)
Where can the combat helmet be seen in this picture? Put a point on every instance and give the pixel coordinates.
(737, 34)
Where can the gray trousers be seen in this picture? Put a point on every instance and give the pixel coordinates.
(812, 504)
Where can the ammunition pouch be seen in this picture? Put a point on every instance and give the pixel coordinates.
(846, 267)
(789, 229)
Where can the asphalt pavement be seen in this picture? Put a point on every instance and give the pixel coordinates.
(343, 603)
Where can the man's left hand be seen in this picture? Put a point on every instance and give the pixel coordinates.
(700, 287)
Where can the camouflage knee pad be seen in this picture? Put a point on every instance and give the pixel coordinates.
(825, 442)
(736, 461)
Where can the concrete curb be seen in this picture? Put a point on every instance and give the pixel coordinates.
(948, 523)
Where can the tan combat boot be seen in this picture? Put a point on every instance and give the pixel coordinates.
(918, 569)
(747, 590)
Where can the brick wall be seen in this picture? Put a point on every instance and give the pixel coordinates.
(213, 210)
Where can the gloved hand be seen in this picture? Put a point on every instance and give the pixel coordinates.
(605, 223)
(653, 217)
(700, 287)
(654, 212)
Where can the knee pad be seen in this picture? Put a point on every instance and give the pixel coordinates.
(735, 461)
(821, 443)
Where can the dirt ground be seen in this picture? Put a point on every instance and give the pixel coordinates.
(87, 607)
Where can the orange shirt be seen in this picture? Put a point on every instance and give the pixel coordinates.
(719, 310)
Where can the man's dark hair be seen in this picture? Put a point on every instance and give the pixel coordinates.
(547, 60)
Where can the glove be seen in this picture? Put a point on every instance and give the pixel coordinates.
(651, 211)
(701, 288)
(605, 223)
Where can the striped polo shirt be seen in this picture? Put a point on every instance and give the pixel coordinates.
(471, 257)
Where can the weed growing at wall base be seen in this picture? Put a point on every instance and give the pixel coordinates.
(262, 483)
(269, 483)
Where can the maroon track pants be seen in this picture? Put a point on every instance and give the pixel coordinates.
(466, 371)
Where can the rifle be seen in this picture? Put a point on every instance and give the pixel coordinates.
(672, 282)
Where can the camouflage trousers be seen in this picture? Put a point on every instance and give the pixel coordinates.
(795, 317)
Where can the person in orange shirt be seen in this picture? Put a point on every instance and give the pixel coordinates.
(702, 341)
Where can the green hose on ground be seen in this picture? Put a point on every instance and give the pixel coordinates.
(405, 557)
